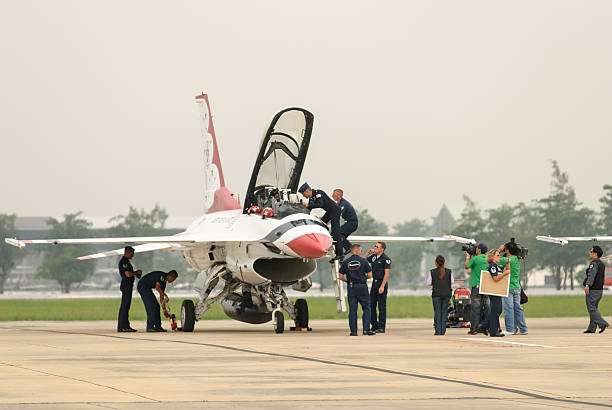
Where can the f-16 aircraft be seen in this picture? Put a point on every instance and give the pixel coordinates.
(247, 254)
(564, 240)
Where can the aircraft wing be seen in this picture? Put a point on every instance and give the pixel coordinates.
(175, 239)
(147, 247)
(564, 240)
(445, 238)
(147, 243)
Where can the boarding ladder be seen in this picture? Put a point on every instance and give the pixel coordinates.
(338, 287)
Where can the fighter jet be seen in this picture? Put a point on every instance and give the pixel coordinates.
(564, 240)
(247, 254)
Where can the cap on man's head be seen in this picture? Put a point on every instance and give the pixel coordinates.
(304, 187)
(483, 248)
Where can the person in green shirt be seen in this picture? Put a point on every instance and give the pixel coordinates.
(475, 265)
(514, 315)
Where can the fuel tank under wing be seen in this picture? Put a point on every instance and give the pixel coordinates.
(282, 154)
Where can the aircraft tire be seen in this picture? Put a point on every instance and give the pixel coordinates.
(301, 306)
(279, 322)
(187, 315)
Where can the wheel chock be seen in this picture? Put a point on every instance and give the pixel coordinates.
(300, 329)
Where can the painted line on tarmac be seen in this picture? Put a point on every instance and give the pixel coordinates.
(341, 364)
(511, 343)
(77, 380)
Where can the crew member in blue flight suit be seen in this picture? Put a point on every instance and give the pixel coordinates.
(154, 280)
(355, 270)
(319, 199)
(127, 273)
(347, 212)
(381, 267)
(497, 273)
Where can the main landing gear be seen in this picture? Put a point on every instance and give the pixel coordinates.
(298, 312)
(187, 315)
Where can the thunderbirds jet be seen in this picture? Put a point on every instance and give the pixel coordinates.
(564, 240)
(254, 250)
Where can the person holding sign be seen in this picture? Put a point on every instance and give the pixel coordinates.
(497, 273)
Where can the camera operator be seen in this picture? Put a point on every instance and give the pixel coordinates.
(514, 315)
(475, 265)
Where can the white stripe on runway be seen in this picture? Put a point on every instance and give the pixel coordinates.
(512, 343)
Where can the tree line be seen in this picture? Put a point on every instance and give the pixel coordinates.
(558, 214)
(59, 262)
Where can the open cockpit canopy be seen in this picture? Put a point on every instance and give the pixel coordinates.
(280, 161)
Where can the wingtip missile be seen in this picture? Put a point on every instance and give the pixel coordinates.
(552, 239)
(459, 239)
(15, 242)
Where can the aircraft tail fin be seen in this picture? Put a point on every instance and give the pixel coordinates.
(216, 195)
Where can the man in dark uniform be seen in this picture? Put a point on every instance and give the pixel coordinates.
(381, 267)
(319, 199)
(593, 289)
(154, 280)
(127, 273)
(347, 212)
(355, 271)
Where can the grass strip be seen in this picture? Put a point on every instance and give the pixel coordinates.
(319, 308)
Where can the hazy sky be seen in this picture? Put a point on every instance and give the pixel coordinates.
(415, 102)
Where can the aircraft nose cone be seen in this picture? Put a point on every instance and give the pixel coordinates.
(311, 245)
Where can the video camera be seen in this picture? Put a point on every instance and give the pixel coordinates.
(519, 250)
(469, 248)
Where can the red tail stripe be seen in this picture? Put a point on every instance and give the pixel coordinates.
(211, 131)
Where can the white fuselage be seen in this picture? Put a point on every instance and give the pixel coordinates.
(249, 244)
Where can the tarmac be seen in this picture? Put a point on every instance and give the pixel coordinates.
(228, 364)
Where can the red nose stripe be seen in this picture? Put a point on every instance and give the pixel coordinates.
(311, 245)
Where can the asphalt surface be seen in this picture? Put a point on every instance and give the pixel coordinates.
(228, 364)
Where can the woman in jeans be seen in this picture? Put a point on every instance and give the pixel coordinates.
(440, 280)
(514, 315)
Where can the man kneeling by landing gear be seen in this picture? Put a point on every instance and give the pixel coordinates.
(154, 280)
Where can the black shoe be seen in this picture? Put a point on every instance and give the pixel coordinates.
(589, 331)
(153, 330)
(353, 334)
(160, 329)
(347, 252)
(472, 332)
(483, 330)
(379, 330)
(127, 329)
(602, 329)
(369, 333)
(500, 334)
(336, 258)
